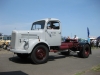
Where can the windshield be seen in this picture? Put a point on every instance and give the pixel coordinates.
(38, 25)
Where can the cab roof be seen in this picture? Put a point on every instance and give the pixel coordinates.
(46, 19)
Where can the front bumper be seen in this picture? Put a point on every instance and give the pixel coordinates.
(18, 51)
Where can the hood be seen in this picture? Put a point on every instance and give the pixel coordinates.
(26, 31)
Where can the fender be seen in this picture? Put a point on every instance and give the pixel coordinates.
(35, 42)
(83, 44)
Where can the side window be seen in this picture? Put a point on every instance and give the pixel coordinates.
(57, 25)
(53, 25)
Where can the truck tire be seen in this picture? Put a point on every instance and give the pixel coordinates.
(85, 52)
(40, 54)
(22, 56)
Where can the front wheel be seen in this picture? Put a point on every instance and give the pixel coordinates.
(85, 52)
(40, 54)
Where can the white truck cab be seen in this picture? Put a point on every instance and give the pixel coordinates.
(44, 35)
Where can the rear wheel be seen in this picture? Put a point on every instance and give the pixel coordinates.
(22, 56)
(85, 52)
(40, 54)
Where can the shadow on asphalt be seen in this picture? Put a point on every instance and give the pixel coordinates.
(13, 73)
(28, 60)
(60, 56)
(19, 60)
(53, 57)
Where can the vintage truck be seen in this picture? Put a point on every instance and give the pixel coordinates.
(5, 41)
(45, 37)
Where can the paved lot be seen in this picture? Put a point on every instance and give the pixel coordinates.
(10, 64)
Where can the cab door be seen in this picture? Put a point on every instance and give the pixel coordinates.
(53, 33)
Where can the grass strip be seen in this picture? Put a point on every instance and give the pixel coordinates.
(96, 68)
(80, 73)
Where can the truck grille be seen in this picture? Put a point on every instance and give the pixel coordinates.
(13, 40)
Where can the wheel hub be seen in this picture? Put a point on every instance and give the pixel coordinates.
(40, 54)
(87, 51)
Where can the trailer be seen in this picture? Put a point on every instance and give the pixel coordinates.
(45, 37)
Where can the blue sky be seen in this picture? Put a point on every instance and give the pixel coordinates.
(75, 15)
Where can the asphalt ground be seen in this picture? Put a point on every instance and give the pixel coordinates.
(57, 64)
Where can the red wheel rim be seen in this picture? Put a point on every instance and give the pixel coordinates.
(87, 51)
(40, 53)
